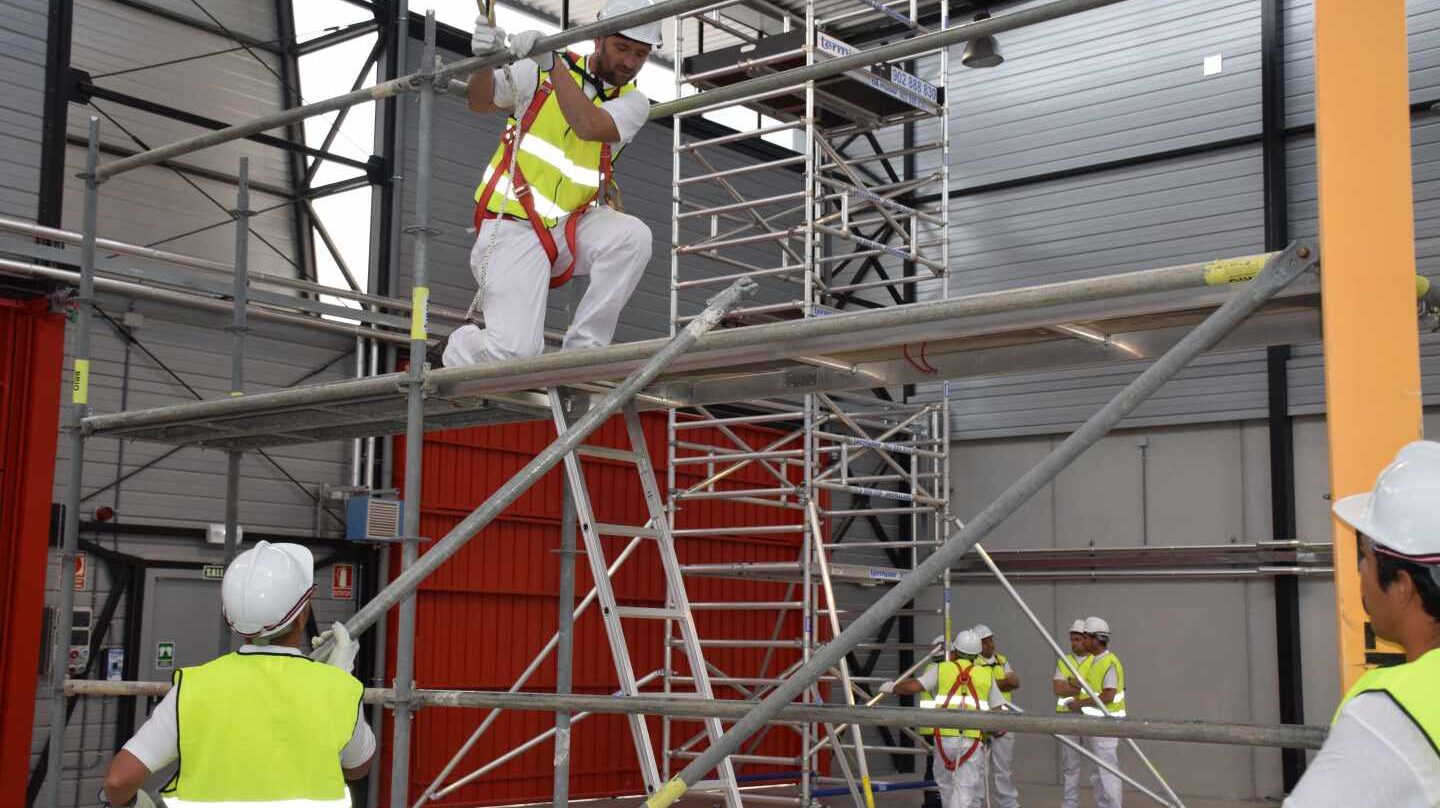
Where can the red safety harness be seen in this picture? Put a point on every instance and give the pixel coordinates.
(511, 139)
(952, 765)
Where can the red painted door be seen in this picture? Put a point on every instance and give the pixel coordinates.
(32, 347)
(486, 613)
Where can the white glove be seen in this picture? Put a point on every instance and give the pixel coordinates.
(487, 37)
(888, 687)
(343, 652)
(520, 45)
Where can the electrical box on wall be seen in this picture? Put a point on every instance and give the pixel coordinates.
(373, 518)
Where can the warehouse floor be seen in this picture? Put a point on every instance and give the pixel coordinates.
(1031, 796)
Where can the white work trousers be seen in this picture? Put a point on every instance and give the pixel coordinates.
(613, 249)
(1070, 763)
(1105, 785)
(1002, 750)
(959, 788)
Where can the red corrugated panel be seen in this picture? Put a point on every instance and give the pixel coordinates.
(32, 347)
(484, 615)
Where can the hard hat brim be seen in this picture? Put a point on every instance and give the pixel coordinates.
(1354, 511)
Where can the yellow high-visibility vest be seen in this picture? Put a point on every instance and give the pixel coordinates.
(1413, 686)
(962, 699)
(561, 169)
(1099, 666)
(1062, 704)
(997, 671)
(260, 728)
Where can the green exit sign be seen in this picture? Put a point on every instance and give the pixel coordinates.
(214, 572)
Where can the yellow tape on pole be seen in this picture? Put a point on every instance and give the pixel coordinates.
(1233, 270)
(80, 385)
(869, 794)
(420, 312)
(667, 794)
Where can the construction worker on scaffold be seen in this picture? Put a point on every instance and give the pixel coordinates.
(546, 209)
(959, 684)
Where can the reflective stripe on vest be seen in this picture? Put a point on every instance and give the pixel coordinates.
(560, 168)
(1413, 686)
(263, 729)
(1095, 675)
(1062, 704)
(949, 672)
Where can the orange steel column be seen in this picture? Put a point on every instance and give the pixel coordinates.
(1367, 242)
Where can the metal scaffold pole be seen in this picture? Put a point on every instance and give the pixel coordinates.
(414, 427)
(75, 478)
(238, 332)
(1278, 273)
(565, 644)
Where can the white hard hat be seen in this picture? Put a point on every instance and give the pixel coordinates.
(1096, 625)
(651, 33)
(983, 631)
(1078, 627)
(1403, 512)
(966, 643)
(265, 588)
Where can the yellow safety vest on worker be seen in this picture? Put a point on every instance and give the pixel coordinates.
(1062, 704)
(997, 671)
(1095, 675)
(926, 700)
(1415, 687)
(262, 728)
(953, 693)
(561, 169)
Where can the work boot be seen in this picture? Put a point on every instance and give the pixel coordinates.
(435, 354)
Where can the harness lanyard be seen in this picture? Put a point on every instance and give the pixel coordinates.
(952, 765)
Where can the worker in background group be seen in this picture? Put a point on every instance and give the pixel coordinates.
(1002, 744)
(262, 725)
(1066, 688)
(1106, 677)
(961, 684)
(1383, 749)
(544, 209)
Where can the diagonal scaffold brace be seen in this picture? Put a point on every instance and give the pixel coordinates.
(408, 581)
(1278, 272)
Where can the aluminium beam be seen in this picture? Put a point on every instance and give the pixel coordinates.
(722, 361)
(1213, 732)
(658, 11)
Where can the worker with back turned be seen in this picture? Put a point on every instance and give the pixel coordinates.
(264, 725)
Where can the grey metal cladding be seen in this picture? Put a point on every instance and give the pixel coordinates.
(249, 19)
(1190, 208)
(1422, 26)
(1307, 381)
(187, 488)
(1117, 82)
(463, 144)
(229, 87)
(22, 62)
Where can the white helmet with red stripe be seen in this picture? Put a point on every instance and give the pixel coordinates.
(1402, 513)
(266, 587)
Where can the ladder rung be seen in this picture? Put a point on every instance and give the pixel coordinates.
(649, 613)
(607, 453)
(630, 531)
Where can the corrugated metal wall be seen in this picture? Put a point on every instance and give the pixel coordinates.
(1126, 83)
(22, 62)
(31, 344)
(483, 616)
